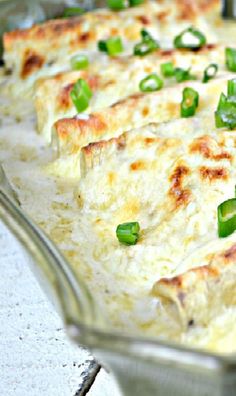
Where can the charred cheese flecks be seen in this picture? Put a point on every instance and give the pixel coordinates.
(46, 49)
(71, 134)
(131, 157)
(199, 294)
(114, 79)
(170, 179)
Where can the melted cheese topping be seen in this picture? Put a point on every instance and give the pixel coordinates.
(70, 135)
(46, 49)
(114, 79)
(178, 281)
(121, 277)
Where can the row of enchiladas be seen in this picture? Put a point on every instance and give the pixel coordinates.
(147, 137)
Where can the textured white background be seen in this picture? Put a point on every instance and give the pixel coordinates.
(36, 357)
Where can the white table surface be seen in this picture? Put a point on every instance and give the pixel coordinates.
(36, 357)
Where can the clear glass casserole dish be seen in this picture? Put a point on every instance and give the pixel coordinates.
(142, 366)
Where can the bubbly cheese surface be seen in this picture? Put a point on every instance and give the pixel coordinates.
(46, 49)
(71, 134)
(113, 79)
(135, 178)
(130, 157)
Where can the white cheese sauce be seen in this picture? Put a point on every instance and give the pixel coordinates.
(125, 299)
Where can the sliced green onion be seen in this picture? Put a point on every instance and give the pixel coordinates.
(81, 95)
(112, 46)
(151, 83)
(79, 62)
(226, 218)
(72, 11)
(231, 88)
(190, 38)
(147, 45)
(225, 114)
(230, 54)
(191, 93)
(189, 102)
(210, 72)
(134, 3)
(146, 36)
(221, 105)
(117, 4)
(128, 233)
(167, 69)
(222, 102)
(102, 46)
(183, 74)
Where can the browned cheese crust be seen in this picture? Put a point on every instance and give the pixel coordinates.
(27, 51)
(196, 296)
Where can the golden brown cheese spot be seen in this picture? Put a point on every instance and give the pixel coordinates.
(178, 193)
(121, 142)
(107, 83)
(212, 174)
(95, 147)
(84, 37)
(190, 10)
(31, 62)
(180, 282)
(49, 29)
(171, 282)
(165, 53)
(92, 148)
(143, 19)
(93, 82)
(149, 141)
(61, 26)
(202, 145)
(230, 254)
(207, 47)
(138, 165)
(94, 122)
(61, 127)
(206, 271)
(58, 77)
(132, 98)
(162, 16)
(114, 31)
(64, 97)
(205, 5)
(145, 111)
(187, 10)
(79, 126)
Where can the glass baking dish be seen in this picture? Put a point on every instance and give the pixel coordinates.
(141, 366)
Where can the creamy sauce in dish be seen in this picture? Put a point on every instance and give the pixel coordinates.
(125, 298)
(169, 174)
